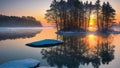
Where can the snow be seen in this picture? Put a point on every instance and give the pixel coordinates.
(114, 32)
(45, 43)
(25, 63)
(69, 32)
(45, 67)
(73, 33)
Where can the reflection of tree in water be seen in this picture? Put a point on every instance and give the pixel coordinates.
(80, 51)
(18, 33)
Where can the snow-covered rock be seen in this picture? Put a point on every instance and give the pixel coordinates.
(25, 63)
(70, 33)
(45, 43)
(45, 67)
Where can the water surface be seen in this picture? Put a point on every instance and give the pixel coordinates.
(81, 51)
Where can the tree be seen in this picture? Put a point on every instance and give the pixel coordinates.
(15, 21)
(98, 8)
(108, 16)
(90, 11)
(74, 15)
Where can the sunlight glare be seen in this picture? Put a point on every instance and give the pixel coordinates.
(92, 22)
(92, 41)
(92, 28)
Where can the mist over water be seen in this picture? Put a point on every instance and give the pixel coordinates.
(85, 51)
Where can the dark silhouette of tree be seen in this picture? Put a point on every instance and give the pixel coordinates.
(98, 8)
(74, 15)
(90, 11)
(108, 16)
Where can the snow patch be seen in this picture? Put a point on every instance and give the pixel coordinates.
(25, 63)
(72, 33)
(69, 33)
(45, 43)
(45, 67)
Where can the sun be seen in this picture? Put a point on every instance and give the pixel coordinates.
(92, 21)
(92, 25)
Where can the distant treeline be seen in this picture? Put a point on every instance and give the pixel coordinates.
(14, 21)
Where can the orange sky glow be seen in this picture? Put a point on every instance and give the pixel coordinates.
(37, 8)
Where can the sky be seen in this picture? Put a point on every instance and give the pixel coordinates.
(37, 8)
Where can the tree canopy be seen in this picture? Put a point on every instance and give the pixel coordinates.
(75, 15)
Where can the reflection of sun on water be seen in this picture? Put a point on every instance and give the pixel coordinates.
(92, 41)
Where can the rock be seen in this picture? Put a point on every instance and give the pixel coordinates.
(45, 43)
(25, 63)
(45, 67)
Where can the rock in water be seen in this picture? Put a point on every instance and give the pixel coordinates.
(45, 43)
(46, 67)
(25, 63)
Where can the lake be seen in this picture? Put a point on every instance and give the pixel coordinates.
(78, 51)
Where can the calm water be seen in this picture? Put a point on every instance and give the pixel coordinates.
(81, 51)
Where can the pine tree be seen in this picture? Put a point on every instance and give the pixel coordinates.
(98, 8)
(74, 15)
(108, 15)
